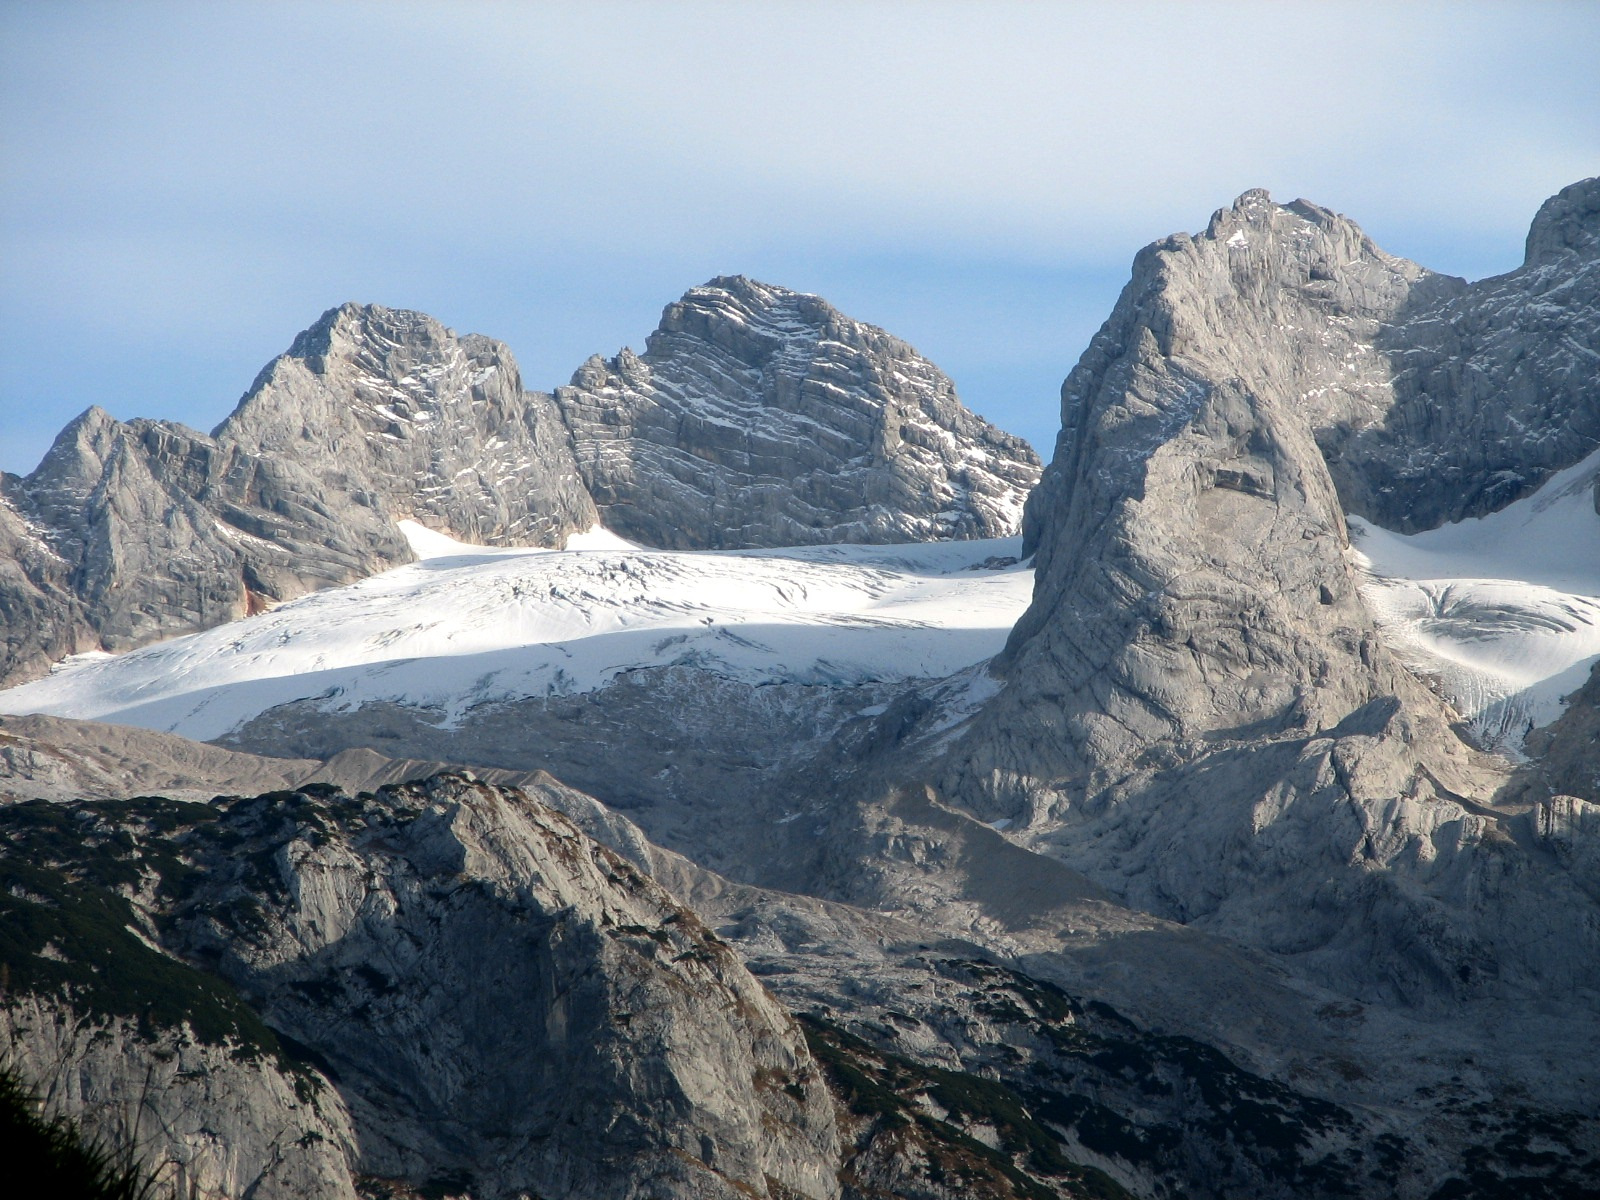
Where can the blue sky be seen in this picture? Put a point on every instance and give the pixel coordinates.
(183, 187)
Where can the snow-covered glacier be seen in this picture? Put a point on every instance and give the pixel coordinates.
(1503, 610)
(466, 625)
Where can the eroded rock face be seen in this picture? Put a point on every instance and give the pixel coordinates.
(943, 1027)
(1198, 720)
(400, 415)
(758, 416)
(207, 1122)
(1193, 581)
(1495, 385)
(506, 1006)
(128, 532)
(132, 531)
(637, 1061)
(55, 759)
(1199, 712)
(41, 619)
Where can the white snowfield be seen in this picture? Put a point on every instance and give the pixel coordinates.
(469, 624)
(1504, 610)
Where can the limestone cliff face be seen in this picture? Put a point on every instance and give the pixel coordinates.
(1495, 385)
(507, 1000)
(1198, 711)
(943, 1028)
(41, 619)
(1431, 399)
(132, 531)
(207, 1122)
(758, 416)
(504, 1006)
(1193, 582)
(390, 410)
(128, 532)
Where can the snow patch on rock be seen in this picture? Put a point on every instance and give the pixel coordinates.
(1503, 610)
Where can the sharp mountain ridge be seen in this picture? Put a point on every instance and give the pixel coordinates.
(1205, 883)
(825, 430)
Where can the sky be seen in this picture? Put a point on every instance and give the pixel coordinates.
(185, 186)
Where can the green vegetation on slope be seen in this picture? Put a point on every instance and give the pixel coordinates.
(892, 1093)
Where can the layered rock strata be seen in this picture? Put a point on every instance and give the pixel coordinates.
(1493, 386)
(758, 416)
(132, 531)
(402, 416)
(1198, 711)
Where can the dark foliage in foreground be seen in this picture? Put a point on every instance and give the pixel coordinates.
(51, 1156)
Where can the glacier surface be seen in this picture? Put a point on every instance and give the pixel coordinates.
(1503, 610)
(467, 625)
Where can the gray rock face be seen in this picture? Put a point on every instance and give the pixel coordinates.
(1274, 1089)
(41, 619)
(1282, 299)
(129, 532)
(396, 413)
(1431, 399)
(505, 1006)
(706, 769)
(1495, 385)
(1560, 784)
(209, 1123)
(1198, 711)
(758, 416)
(144, 529)
(56, 759)
(1205, 792)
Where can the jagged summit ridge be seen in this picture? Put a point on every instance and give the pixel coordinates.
(397, 412)
(757, 417)
(1198, 706)
(760, 416)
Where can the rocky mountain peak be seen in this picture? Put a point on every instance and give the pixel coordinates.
(1287, 300)
(760, 416)
(87, 438)
(1197, 661)
(757, 416)
(344, 332)
(1198, 699)
(1567, 222)
(383, 360)
(93, 424)
(1254, 206)
(60, 486)
(393, 411)
(317, 338)
(750, 320)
